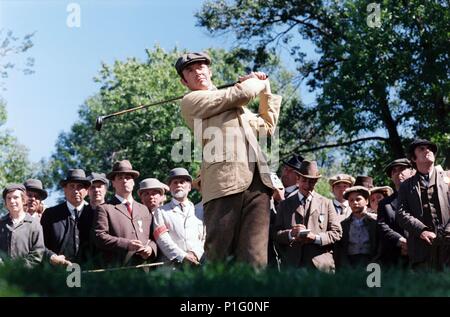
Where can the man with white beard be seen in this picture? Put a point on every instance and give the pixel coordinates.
(178, 226)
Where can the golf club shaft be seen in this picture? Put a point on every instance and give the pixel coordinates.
(156, 103)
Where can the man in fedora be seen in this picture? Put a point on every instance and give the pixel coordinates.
(339, 183)
(393, 247)
(424, 210)
(307, 224)
(236, 179)
(97, 190)
(152, 193)
(36, 195)
(289, 175)
(359, 243)
(67, 226)
(178, 226)
(122, 226)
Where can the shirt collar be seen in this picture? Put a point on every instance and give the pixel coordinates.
(79, 208)
(290, 189)
(308, 199)
(123, 200)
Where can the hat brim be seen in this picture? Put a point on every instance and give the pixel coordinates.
(134, 173)
(188, 177)
(308, 176)
(332, 183)
(41, 192)
(388, 169)
(291, 165)
(366, 194)
(64, 182)
(432, 145)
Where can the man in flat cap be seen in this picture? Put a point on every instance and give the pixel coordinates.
(307, 224)
(67, 226)
(97, 190)
(36, 195)
(393, 247)
(122, 226)
(424, 210)
(359, 243)
(236, 179)
(152, 193)
(339, 183)
(178, 226)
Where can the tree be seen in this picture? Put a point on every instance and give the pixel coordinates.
(13, 156)
(10, 47)
(382, 85)
(145, 137)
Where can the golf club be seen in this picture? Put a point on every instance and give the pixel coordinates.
(101, 119)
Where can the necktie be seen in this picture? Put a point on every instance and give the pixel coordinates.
(75, 212)
(129, 208)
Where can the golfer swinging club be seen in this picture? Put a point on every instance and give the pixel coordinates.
(236, 181)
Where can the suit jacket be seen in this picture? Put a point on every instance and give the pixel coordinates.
(389, 230)
(341, 248)
(321, 218)
(114, 228)
(410, 213)
(228, 168)
(58, 229)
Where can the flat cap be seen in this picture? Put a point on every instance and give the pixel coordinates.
(190, 58)
(98, 177)
(341, 178)
(13, 187)
(359, 189)
(398, 162)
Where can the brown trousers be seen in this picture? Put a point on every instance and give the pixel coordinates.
(237, 226)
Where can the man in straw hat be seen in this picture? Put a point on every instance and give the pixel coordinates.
(393, 247)
(178, 226)
(122, 226)
(307, 224)
(152, 193)
(67, 226)
(36, 195)
(424, 210)
(236, 179)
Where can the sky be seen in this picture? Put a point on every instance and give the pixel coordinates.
(42, 105)
(67, 58)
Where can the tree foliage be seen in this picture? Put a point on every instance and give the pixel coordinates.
(391, 81)
(11, 49)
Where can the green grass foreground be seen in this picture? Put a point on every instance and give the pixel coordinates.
(219, 280)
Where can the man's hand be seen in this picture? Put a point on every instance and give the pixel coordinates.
(278, 194)
(403, 246)
(59, 260)
(191, 258)
(296, 229)
(135, 245)
(145, 252)
(428, 236)
(257, 75)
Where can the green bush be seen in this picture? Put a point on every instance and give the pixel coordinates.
(219, 280)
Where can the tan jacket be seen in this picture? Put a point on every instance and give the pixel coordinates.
(228, 161)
